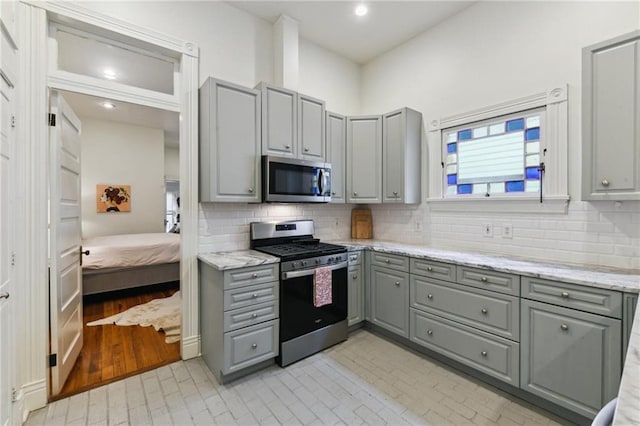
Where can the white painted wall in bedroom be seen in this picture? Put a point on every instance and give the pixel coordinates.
(493, 52)
(112, 153)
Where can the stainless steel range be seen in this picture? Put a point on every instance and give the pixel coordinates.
(305, 328)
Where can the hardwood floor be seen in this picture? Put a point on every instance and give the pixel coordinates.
(113, 352)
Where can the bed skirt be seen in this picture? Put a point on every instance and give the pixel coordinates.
(96, 281)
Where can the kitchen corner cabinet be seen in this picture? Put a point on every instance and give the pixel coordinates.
(356, 288)
(401, 154)
(336, 135)
(611, 119)
(230, 137)
(389, 275)
(569, 357)
(364, 159)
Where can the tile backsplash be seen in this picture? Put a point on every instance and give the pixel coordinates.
(597, 234)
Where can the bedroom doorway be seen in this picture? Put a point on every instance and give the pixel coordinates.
(130, 261)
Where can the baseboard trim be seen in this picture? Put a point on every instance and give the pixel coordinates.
(190, 347)
(32, 396)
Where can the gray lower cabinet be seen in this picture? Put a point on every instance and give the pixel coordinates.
(628, 313)
(239, 310)
(230, 137)
(356, 289)
(390, 299)
(569, 357)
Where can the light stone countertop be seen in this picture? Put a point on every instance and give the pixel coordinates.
(224, 260)
(594, 277)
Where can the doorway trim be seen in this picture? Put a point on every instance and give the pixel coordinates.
(33, 304)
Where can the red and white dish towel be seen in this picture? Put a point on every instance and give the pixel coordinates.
(322, 287)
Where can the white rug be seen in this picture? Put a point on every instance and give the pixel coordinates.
(162, 314)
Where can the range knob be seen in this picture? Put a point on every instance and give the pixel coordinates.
(329, 260)
(294, 264)
(304, 263)
(317, 261)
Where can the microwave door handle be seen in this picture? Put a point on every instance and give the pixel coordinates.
(305, 272)
(321, 182)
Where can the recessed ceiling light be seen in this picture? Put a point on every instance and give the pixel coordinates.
(361, 10)
(107, 105)
(109, 74)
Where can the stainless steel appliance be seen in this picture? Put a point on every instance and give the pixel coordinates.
(289, 180)
(304, 328)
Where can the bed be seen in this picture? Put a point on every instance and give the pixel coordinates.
(118, 262)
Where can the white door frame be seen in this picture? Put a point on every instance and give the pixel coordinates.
(33, 310)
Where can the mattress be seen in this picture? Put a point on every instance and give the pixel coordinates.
(130, 250)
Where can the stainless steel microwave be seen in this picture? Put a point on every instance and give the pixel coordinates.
(289, 180)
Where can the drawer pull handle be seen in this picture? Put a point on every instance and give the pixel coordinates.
(254, 315)
(484, 279)
(484, 311)
(429, 268)
(387, 260)
(353, 258)
(565, 327)
(306, 150)
(254, 275)
(483, 353)
(564, 294)
(354, 276)
(429, 296)
(254, 295)
(254, 345)
(605, 182)
(397, 283)
(429, 332)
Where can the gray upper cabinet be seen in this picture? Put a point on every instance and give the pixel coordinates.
(311, 128)
(364, 159)
(569, 357)
(279, 117)
(401, 147)
(611, 119)
(336, 134)
(229, 142)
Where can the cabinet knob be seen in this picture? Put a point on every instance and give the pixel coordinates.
(483, 353)
(395, 193)
(355, 194)
(287, 146)
(254, 315)
(429, 296)
(484, 311)
(397, 283)
(484, 279)
(250, 190)
(565, 327)
(306, 150)
(429, 269)
(333, 193)
(254, 295)
(354, 276)
(564, 294)
(605, 182)
(254, 345)
(387, 260)
(254, 275)
(429, 332)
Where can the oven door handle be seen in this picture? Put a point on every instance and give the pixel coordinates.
(305, 272)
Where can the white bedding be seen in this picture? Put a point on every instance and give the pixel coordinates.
(128, 250)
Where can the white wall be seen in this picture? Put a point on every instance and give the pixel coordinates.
(114, 153)
(494, 52)
(171, 163)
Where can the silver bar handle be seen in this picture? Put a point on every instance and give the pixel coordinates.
(306, 272)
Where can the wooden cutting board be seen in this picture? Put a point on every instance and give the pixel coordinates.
(361, 223)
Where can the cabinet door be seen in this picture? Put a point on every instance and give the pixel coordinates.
(628, 314)
(336, 150)
(311, 140)
(393, 137)
(390, 300)
(569, 357)
(356, 295)
(229, 142)
(364, 159)
(611, 120)
(279, 117)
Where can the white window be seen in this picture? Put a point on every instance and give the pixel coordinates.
(502, 158)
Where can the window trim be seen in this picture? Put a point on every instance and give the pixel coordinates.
(555, 135)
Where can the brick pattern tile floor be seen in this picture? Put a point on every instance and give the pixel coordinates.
(366, 380)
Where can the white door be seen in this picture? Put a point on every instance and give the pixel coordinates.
(6, 256)
(65, 283)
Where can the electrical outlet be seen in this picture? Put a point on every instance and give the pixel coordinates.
(507, 230)
(487, 230)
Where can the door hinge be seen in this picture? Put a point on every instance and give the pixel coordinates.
(14, 395)
(13, 121)
(13, 258)
(52, 120)
(53, 360)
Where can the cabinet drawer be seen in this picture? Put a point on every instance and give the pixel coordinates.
(241, 277)
(489, 311)
(489, 280)
(432, 269)
(490, 354)
(355, 257)
(250, 345)
(250, 315)
(253, 295)
(589, 299)
(391, 261)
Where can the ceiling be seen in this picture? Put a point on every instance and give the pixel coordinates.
(334, 26)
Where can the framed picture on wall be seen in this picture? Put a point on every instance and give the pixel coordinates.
(113, 198)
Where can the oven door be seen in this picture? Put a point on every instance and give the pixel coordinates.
(298, 315)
